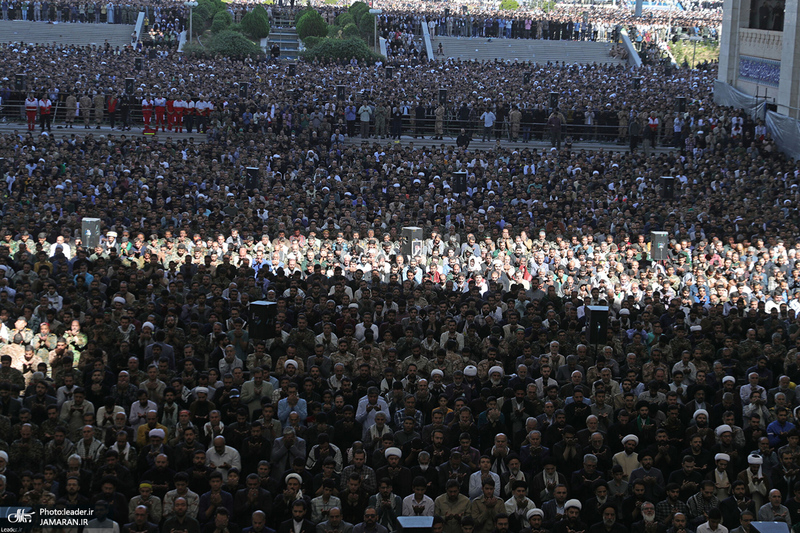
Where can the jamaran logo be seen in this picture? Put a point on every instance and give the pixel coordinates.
(16, 519)
(20, 515)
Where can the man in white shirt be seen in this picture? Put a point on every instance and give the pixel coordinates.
(713, 524)
(418, 504)
(369, 406)
(476, 479)
(222, 458)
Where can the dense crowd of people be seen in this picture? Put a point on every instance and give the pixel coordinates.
(457, 371)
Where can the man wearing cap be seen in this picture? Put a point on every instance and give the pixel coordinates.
(609, 523)
(720, 476)
(518, 505)
(146, 429)
(571, 523)
(628, 459)
(148, 500)
(756, 482)
(400, 475)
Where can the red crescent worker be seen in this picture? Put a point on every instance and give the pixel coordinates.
(31, 108)
(147, 111)
(180, 111)
(160, 104)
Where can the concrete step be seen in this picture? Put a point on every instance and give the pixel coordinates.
(483, 49)
(65, 33)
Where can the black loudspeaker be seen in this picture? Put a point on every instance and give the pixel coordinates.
(637, 82)
(658, 246)
(553, 99)
(443, 96)
(129, 88)
(138, 63)
(598, 324)
(412, 238)
(262, 325)
(340, 92)
(459, 182)
(389, 73)
(526, 78)
(151, 54)
(668, 187)
(243, 89)
(19, 83)
(90, 232)
(292, 69)
(252, 180)
(680, 104)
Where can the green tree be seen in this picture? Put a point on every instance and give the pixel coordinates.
(351, 30)
(311, 23)
(226, 43)
(367, 27)
(344, 19)
(341, 49)
(509, 5)
(358, 10)
(255, 24)
(222, 21)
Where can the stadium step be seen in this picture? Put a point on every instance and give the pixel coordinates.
(283, 33)
(19, 31)
(484, 49)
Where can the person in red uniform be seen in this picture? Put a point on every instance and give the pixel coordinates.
(31, 108)
(147, 111)
(180, 112)
(45, 110)
(160, 103)
(170, 113)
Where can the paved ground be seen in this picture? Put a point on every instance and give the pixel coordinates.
(79, 130)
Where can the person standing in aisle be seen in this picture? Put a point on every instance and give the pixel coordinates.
(31, 108)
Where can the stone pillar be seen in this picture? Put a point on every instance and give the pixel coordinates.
(789, 88)
(735, 15)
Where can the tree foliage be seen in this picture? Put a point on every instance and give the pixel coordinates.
(226, 43)
(222, 21)
(509, 5)
(340, 50)
(358, 10)
(367, 26)
(311, 23)
(255, 24)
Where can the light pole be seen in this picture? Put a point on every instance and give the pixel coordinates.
(694, 39)
(191, 4)
(375, 13)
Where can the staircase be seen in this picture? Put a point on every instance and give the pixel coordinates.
(283, 32)
(65, 34)
(483, 49)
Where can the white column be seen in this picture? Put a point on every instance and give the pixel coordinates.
(789, 88)
(735, 15)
